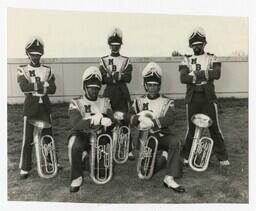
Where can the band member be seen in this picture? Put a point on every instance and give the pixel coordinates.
(162, 109)
(85, 112)
(198, 72)
(36, 81)
(116, 72)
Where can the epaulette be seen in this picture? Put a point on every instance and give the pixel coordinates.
(168, 98)
(103, 57)
(164, 96)
(126, 57)
(101, 97)
(46, 66)
(187, 55)
(210, 54)
(106, 99)
(77, 98)
(143, 96)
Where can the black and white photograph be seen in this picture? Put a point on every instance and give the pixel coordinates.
(108, 108)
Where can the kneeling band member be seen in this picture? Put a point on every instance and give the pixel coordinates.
(162, 109)
(85, 112)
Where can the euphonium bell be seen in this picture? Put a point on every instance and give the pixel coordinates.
(121, 141)
(147, 155)
(101, 157)
(45, 150)
(201, 149)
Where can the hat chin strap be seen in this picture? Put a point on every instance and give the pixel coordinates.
(88, 96)
(31, 60)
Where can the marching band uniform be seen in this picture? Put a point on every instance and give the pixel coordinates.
(85, 112)
(116, 71)
(198, 72)
(162, 110)
(36, 81)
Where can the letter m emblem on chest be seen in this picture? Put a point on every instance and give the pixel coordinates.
(87, 108)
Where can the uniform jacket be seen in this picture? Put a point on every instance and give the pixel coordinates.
(207, 69)
(162, 108)
(31, 81)
(81, 109)
(116, 72)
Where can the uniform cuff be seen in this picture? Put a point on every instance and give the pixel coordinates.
(134, 120)
(35, 86)
(194, 79)
(207, 74)
(157, 124)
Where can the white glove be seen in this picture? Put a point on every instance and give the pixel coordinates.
(146, 123)
(46, 84)
(106, 122)
(192, 73)
(146, 113)
(142, 118)
(118, 115)
(95, 119)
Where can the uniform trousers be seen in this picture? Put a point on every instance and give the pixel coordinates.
(78, 144)
(28, 138)
(199, 104)
(172, 147)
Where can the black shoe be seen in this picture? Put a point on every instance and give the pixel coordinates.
(179, 189)
(86, 165)
(59, 166)
(23, 176)
(160, 163)
(185, 164)
(131, 157)
(74, 189)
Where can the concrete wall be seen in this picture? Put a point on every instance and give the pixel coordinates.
(68, 73)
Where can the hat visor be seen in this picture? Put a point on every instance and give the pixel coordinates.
(152, 82)
(196, 43)
(114, 43)
(93, 85)
(35, 53)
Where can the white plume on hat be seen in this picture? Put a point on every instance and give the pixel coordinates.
(116, 31)
(91, 71)
(197, 30)
(32, 39)
(152, 68)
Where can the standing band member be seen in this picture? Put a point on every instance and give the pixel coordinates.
(198, 72)
(36, 81)
(85, 112)
(162, 109)
(116, 71)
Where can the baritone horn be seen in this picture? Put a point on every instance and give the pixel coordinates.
(46, 158)
(101, 157)
(201, 149)
(121, 141)
(147, 155)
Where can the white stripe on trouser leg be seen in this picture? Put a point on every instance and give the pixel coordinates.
(70, 145)
(23, 140)
(217, 119)
(187, 121)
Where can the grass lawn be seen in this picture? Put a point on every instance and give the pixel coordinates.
(215, 185)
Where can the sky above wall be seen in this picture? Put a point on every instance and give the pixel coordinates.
(84, 34)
